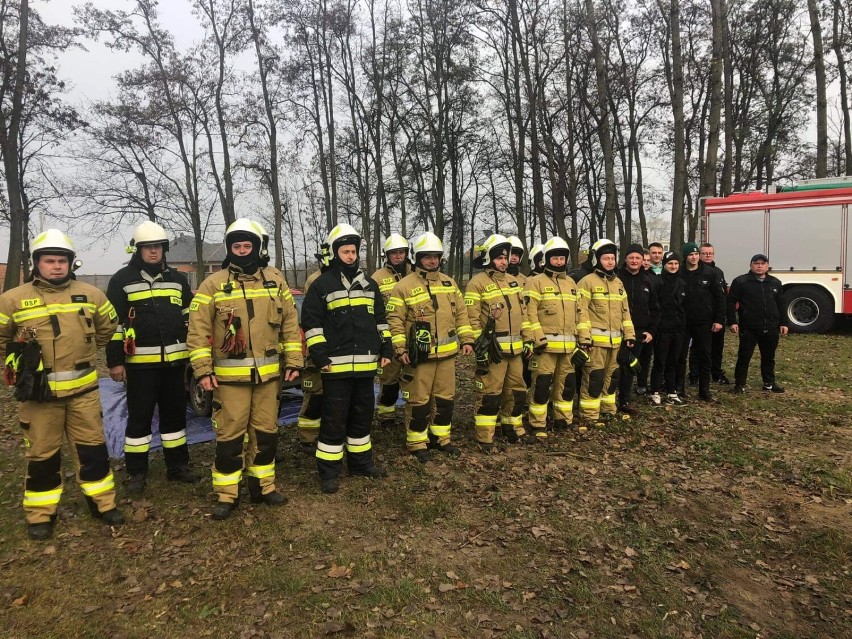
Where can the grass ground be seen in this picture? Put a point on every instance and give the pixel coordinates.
(729, 521)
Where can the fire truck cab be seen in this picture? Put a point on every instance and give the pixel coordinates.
(806, 232)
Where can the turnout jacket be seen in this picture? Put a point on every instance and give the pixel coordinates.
(491, 288)
(672, 293)
(344, 323)
(70, 321)
(434, 298)
(705, 297)
(160, 306)
(642, 299)
(264, 305)
(757, 302)
(604, 313)
(387, 277)
(553, 311)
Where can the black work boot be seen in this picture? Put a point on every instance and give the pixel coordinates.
(223, 509)
(112, 517)
(330, 485)
(308, 448)
(183, 474)
(373, 472)
(135, 485)
(271, 499)
(449, 449)
(42, 530)
(510, 434)
(422, 455)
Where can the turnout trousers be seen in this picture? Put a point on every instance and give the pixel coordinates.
(162, 388)
(431, 382)
(43, 425)
(553, 379)
(245, 412)
(600, 380)
(388, 391)
(767, 342)
(311, 411)
(347, 413)
(501, 391)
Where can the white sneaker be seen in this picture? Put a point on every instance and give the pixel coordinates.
(654, 399)
(673, 400)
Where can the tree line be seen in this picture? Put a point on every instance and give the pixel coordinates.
(583, 118)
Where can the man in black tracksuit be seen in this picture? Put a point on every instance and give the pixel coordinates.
(148, 352)
(707, 254)
(756, 298)
(347, 335)
(705, 315)
(641, 289)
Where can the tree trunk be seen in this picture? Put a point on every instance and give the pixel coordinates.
(844, 85)
(9, 131)
(821, 99)
(725, 187)
(676, 91)
(708, 173)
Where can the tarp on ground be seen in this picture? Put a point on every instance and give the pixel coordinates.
(198, 429)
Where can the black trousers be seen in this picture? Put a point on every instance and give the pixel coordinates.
(668, 349)
(701, 336)
(162, 388)
(347, 414)
(625, 380)
(767, 342)
(717, 348)
(645, 364)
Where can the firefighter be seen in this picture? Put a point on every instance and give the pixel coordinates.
(496, 310)
(243, 330)
(553, 315)
(536, 260)
(343, 316)
(311, 411)
(605, 323)
(396, 267)
(641, 287)
(148, 353)
(50, 330)
(429, 325)
(515, 257)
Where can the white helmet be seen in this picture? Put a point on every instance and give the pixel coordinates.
(148, 233)
(597, 247)
(52, 241)
(517, 245)
(555, 246)
(426, 243)
(395, 242)
(537, 255)
(245, 225)
(492, 247)
(341, 235)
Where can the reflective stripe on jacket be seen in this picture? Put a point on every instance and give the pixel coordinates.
(491, 290)
(604, 311)
(553, 311)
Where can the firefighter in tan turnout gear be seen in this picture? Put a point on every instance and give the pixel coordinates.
(311, 411)
(244, 335)
(515, 256)
(553, 314)
(396, 267)
(605, 325)
(50, 331)
(429, 325)
(497, 313)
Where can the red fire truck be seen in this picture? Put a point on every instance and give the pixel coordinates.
(805, 230)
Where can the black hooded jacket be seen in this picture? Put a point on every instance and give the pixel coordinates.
(641, 292)
(705, 297)
(671, 294)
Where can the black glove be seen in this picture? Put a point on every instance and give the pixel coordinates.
(634, 364)
(624, 355)
(31, 384)
(579, 357)
(541, 347)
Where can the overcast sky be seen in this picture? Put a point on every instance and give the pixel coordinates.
(90, 73)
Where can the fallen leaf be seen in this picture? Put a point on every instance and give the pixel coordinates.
(50, 550)
(451, 575)
(446, 587)
(339, 571)
(630, 552)
(21, 601)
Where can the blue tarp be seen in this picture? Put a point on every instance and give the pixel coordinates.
(198, 429)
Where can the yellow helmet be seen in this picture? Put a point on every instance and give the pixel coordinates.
(492, 247)
(395, 242)
(427, 243)
(52, 241)
(341, 235)
(245, 225)
(600, 247)
(537, 255)
(517, 245)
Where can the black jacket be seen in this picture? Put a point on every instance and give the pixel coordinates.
(721, 275)
(671, 295)
(160, 305)
(705, 297)
(760, 304)
(641, 292)
(345, 325)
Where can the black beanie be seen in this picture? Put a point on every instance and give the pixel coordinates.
(668, 256)
(635, 248)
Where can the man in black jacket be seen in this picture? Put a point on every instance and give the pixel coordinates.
(347, 335)
(756, 298)
(148, 352)
(641, 289)
(707, 254)
(705, 315)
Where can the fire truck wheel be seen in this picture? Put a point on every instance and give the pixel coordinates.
(809, 309)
